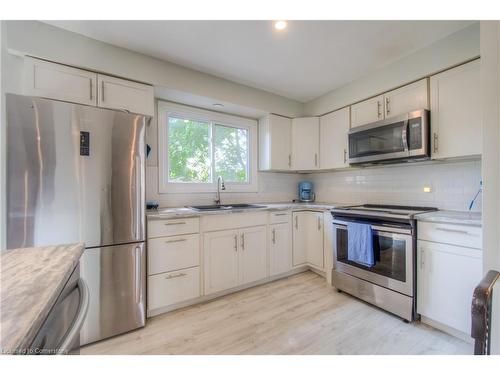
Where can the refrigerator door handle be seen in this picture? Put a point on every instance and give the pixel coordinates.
(138, 272)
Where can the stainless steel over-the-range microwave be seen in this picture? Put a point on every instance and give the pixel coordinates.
(400, 138)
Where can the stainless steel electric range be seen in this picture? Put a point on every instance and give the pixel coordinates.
(391, 283)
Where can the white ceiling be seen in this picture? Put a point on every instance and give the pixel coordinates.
(307, 60)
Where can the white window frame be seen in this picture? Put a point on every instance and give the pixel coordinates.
(166, 109)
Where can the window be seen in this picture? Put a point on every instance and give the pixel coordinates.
(196, 146)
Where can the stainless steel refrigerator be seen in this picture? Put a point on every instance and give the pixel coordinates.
(76, 174)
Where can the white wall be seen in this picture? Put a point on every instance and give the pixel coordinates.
(490, 97)
(42, 40)
(453, 185)
(454, 49)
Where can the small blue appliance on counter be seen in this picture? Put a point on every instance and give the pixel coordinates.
(306, 193)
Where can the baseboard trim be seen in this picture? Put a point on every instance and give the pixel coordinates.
(447, 329)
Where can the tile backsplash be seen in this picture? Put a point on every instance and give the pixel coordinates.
(273, 187)
(453, 185)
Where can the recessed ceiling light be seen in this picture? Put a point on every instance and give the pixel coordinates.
(280, 25)
(218, 105)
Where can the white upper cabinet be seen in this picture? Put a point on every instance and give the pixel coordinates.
(121, 94)
(275, 142)
(456, 112)
(407, 99)
(305, 143)
(333, 145)
(367, 111)
(60, 82)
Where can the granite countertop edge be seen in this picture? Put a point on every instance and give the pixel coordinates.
(452, 217)
(17, 335)
(185, 212)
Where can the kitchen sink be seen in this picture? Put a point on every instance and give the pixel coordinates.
(221, 207)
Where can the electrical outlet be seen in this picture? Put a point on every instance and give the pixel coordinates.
(427, 189)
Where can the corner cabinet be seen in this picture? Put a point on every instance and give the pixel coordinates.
(275, 142)
(234, 257)
(456, 112)
(333, 144)
(61, 82)
(308, 239)
(305, 143)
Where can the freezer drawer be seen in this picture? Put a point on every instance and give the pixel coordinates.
(116, 277)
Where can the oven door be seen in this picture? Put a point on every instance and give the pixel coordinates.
(394, 257)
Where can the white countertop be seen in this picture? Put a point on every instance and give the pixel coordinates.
(452, 217)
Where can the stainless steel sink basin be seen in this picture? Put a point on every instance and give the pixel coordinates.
(217, 207)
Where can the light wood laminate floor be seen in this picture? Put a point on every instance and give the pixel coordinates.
(297, 315)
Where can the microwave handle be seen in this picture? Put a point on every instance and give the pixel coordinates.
(404, 136)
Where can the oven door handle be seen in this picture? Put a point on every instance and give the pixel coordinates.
(379, 230)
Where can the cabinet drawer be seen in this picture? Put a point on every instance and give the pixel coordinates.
(173, 287)
(280, 217)
(454, 234)
(173, 253)
(161, 228)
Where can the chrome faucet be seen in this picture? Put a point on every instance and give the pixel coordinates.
(220, 186)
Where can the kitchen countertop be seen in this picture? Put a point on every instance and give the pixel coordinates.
(181, 212)
(32, 279)
(452, 217)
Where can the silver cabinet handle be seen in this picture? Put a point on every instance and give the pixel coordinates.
(179, 240)
(91, 87)
(280, 214)
(315, 160)
(289, 160)
(387, 109)
(345, 155)
(296, 222)
(66, 346)
(176, 223)
(102, 94)
(319, 223)
(182, 274)
(274, 236)
(422, 263)
(243, 241)
(435, 138)
(379, 106)
(461, 231)
(235, 242)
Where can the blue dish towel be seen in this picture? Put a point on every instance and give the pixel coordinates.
(360, 244)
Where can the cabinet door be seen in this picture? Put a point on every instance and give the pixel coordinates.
(370, 110)
(275, 142)
(220, 260)
(305, 143)
(117, 93)
(406, 99)
(60, 82)
(333, 144)
(253, 254)
(456, 112)
(280, 249)
(299, 237)
(446, 277)
(315, 239)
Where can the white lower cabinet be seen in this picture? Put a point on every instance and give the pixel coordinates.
(173, 287)
(280, 248)
(308, 239)
(234, 257)
(220, 260)
(446, 277)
